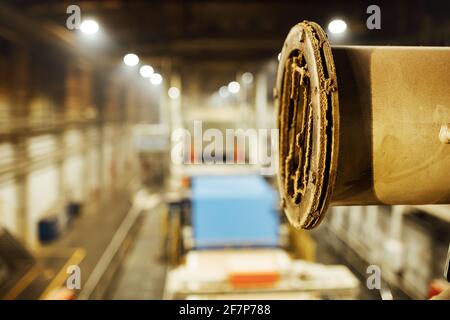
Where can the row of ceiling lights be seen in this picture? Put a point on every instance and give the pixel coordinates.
(146, 71)
(234, 87)
(91, 27)
(335, 26)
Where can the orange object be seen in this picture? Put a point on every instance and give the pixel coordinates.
(436, 287)
(253, 279)
(61, 294)
(186, 182)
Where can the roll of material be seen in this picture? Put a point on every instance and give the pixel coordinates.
(360, 125)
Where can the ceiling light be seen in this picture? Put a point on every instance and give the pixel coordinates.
(337, 26)
(174, 93)
(223, 92)
(247, 77)
(156, 79)
(146, 71)
(234, 87)
(89, 27)
(131, 59)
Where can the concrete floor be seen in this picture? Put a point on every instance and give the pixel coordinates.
(143, 272)
(90, 233)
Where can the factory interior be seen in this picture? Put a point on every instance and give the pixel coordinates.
(224, 150)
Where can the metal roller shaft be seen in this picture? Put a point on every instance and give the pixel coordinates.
(361, 125)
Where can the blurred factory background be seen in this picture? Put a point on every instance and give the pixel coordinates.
(86, 173)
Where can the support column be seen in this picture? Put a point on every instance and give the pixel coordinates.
(19, 107)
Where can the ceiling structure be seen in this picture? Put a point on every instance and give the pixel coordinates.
(237, 30)
(220, 38)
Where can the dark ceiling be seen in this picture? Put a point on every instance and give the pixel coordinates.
(242, 30)
(219, 38)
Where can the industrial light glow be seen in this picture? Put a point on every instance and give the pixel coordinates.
(247, 77)
(234, 87)
(173, 93)
(337, 26)
(146, 71)
(89, 27)
(131, 59)
(223, 92)
(156, 79)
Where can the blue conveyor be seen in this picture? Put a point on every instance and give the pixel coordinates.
(234, 211)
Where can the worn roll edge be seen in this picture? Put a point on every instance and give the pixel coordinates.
(305, 194)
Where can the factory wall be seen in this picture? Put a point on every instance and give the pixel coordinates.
(65, 134)
(409, 244)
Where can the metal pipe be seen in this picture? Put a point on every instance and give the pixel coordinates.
(360, 125)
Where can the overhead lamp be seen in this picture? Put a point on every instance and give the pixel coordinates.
(156, 79)
(146, 71)
(247, 77)
(131, 59)
(337, 26)
(223, 92)
(173, 93)
(89, 27)
(234, 87)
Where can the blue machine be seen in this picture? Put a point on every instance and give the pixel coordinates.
(234, 211)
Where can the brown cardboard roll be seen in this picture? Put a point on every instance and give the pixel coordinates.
(360, 125)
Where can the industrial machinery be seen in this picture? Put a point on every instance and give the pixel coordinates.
(224, 208)
(360, 125)
(226, 255)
